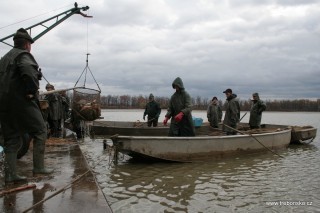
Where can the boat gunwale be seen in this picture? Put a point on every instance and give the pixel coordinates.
(204, 137)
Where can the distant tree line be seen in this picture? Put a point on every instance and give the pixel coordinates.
(199, 103)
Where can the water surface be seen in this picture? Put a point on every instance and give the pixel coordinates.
(250, 183)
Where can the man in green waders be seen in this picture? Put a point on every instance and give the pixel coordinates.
(19, 109)
(258, 106)
(153, 111)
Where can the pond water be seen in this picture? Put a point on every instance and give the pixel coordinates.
(251, 183)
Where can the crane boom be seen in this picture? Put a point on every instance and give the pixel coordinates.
(65, 15)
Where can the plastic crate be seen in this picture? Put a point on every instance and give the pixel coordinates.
(197, 121)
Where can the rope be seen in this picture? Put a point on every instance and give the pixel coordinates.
(87, 35)
(94, 79)
(80, 77)
(85, 70)
(18, 22)
(65, 188)
(253, 138)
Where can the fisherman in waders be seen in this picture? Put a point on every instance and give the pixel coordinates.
(232, 115)
(153, 111)
(214, 113)
(19, 109)
(54, 111)
(179, 111)
(258, 106)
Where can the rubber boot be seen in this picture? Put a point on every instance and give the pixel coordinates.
(10, 168)
(38, 164)
(38, 158)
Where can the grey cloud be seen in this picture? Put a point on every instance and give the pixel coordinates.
(138, 47)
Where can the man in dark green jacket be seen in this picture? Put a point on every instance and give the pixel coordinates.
(54, 110)
(19, 110)
(257, 108)
(153, 111)
(231, 117)
(214, 113)
(179, 111)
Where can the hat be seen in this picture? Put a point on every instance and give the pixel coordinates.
(22, 33)
(151, 96)
(255, 95)
(228, 91)
(49, 86)
(214, 98)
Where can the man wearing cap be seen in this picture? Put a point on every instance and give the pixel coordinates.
(179, 111)
(19, 110)
(231, 117)
(153, 111)
(214, 113)
(258, 106)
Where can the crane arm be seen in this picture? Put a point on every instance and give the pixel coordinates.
(63, 16)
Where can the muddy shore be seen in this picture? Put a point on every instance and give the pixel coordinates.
(68, 162)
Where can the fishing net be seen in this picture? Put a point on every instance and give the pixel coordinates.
(86, 103)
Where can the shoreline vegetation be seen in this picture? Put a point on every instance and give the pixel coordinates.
(199, 103)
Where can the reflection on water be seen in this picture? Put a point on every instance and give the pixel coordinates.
(243, 184)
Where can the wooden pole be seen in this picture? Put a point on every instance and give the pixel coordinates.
(59, 90)
(243, 116)
(21, 188)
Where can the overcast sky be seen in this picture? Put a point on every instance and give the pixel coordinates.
(140, 46)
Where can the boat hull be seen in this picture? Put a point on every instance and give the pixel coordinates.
(189, 149)
(303, 134)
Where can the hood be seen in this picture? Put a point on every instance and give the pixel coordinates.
(178, 82)
(232, 96)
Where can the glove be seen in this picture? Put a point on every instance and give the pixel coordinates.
(165, 121)
(179, 117)
(144, 117)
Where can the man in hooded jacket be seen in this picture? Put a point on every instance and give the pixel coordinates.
(179, 111)
(153, 111)
(19, 109)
